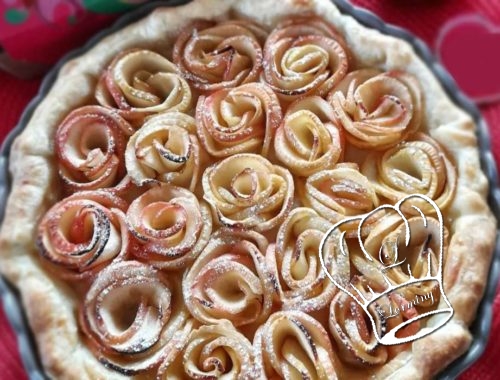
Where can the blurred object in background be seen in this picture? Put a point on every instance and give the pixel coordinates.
(35, 33)
(465, 36)
(468, 46)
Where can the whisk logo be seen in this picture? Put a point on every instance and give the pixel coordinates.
(406, 267)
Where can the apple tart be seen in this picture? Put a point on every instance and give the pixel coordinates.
(173, 193)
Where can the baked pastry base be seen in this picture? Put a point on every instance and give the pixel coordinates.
(51, 305)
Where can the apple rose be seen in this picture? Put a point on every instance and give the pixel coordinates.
(229, 280)
(304, 56)
(302, 282)
(171, 226)
(293, 345)
(128, 190)
(308, 139)
(377, 109)
(166, 150)
(417, 166)
(83, 233)
(395, 262)
(140, 82)
(238, 120)
(353, 332)
(339, 193)
(247, 191)
(215, 56)
(90, 146)
(133, 317)
(212, 352)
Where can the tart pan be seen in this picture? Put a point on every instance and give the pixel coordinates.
(480, 328)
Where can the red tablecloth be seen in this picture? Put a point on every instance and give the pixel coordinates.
(422, 17)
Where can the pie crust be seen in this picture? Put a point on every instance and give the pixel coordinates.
(49, 301)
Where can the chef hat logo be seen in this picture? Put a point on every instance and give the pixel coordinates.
(414, 227)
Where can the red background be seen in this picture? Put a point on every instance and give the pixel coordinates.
(422, 17)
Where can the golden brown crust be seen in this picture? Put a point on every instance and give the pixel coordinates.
(50, 304)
